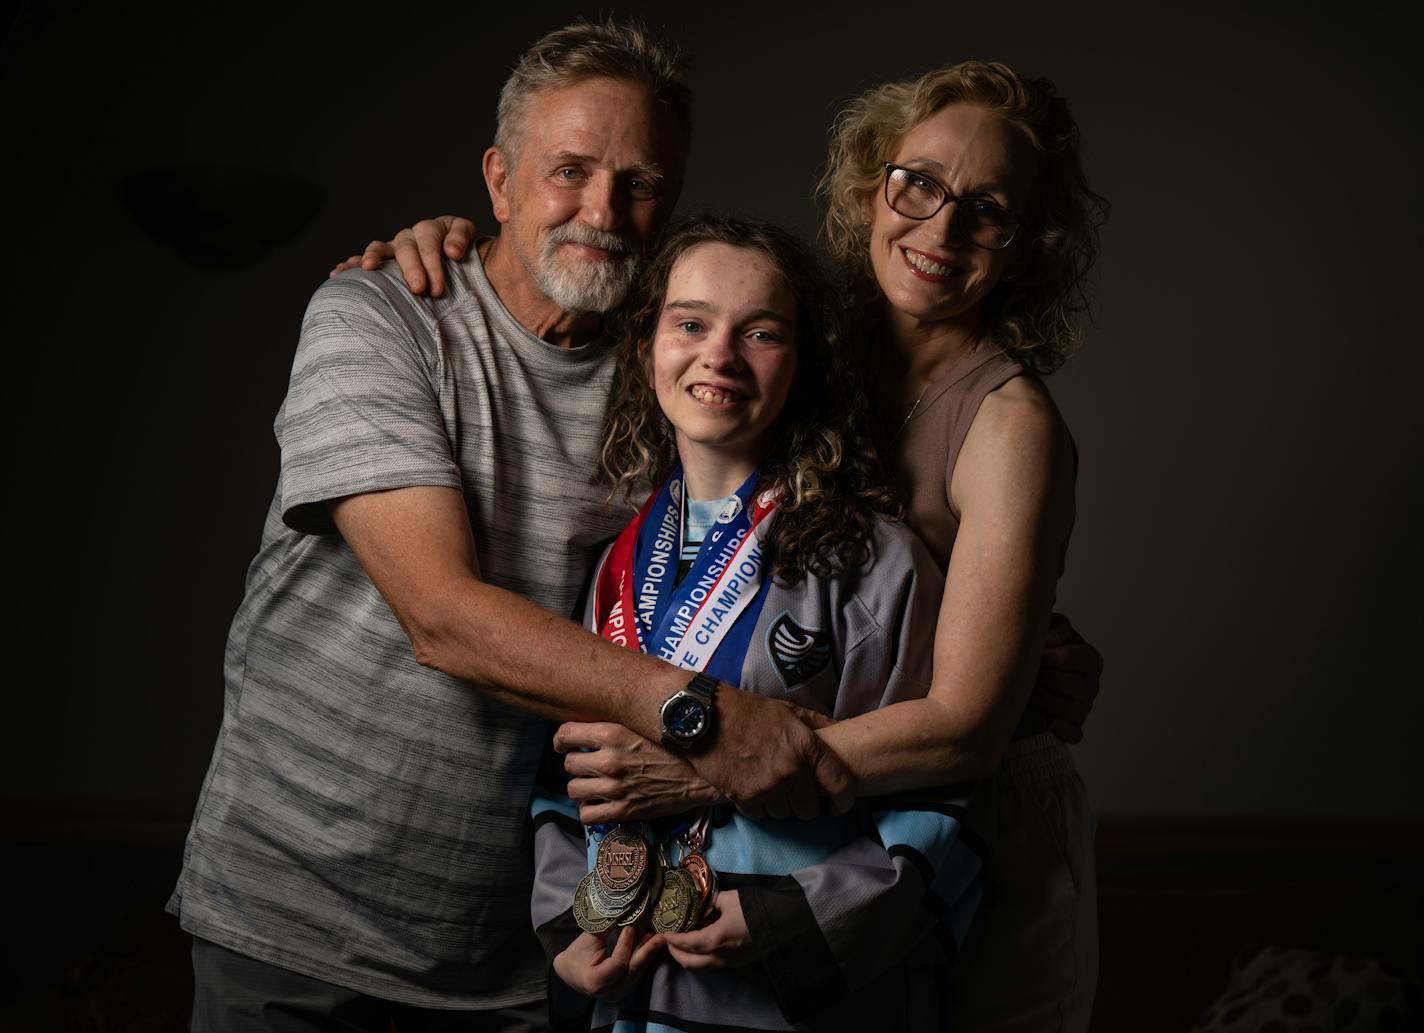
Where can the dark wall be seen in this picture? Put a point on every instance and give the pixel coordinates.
(1246, 553)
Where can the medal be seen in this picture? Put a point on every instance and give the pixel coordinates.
(612, 905)
(622, 859)
(674, 911)
(704, 622)
(589, 920)
(652, 889)
(704, 876)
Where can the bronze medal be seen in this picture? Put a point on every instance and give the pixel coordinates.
(622, 859)
(702, 875)
(588, 919)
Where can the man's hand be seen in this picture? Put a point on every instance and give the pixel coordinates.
(1069, 677)
(725, 942)
(588, 967)
(766, 759)
(617, 775)
(418, 252)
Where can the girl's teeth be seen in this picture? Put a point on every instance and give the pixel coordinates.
(705, 394)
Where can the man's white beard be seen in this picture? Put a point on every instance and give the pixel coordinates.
(584, 285)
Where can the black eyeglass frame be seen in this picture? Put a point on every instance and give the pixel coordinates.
(891, 168)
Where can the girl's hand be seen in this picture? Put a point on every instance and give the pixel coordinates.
(725, 942)
(588, 967)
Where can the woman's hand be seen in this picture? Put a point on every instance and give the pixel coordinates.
(725, 942)
(1069, 677)
(617, 775)
(588, 967)
(418, 252)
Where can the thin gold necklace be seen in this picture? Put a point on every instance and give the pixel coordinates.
(911, 414)
(916, 407)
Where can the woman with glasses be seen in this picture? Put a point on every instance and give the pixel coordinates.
(964, 227)
(957, 206)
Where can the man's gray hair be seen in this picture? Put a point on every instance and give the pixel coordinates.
(593, 50)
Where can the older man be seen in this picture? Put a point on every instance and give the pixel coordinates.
(360, 846)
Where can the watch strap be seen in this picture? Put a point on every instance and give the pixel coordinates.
(703, 686)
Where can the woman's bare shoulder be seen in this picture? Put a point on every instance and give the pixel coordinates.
(1018, 452)
(1022, 412)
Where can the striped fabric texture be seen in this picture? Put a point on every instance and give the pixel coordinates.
(364, 819)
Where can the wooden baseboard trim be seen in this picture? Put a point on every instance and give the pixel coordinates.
(1227, 836)
(165, 823)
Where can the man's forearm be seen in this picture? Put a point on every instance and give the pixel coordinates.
(521, 653)
(417, 547)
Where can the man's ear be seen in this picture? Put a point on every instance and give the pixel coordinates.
(496, 172)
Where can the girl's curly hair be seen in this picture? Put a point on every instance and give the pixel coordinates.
(1035, 317)
(822, 458)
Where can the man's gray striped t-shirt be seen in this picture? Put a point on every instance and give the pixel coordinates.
(364, 818)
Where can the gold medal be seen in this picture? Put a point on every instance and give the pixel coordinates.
(674, 910)
(651, 892)
(652, 889)
(622, 859)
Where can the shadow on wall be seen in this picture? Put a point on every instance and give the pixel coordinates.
(220, 216)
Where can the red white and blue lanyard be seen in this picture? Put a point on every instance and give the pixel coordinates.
(705, 621)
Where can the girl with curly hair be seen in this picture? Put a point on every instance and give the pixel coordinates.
(763, 557)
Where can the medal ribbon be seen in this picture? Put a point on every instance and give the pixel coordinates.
(637, 606)
(705, 622)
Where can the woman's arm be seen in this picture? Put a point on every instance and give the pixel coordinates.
(1013, 484)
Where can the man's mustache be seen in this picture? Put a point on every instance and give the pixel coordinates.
(605, 240)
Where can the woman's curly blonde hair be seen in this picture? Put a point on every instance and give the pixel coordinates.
(822, 459)
(1035, 316)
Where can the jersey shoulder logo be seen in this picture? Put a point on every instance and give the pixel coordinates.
(798, 653)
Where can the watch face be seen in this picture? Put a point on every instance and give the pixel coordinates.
(684, 718)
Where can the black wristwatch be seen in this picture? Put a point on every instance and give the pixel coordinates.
(687, 716)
